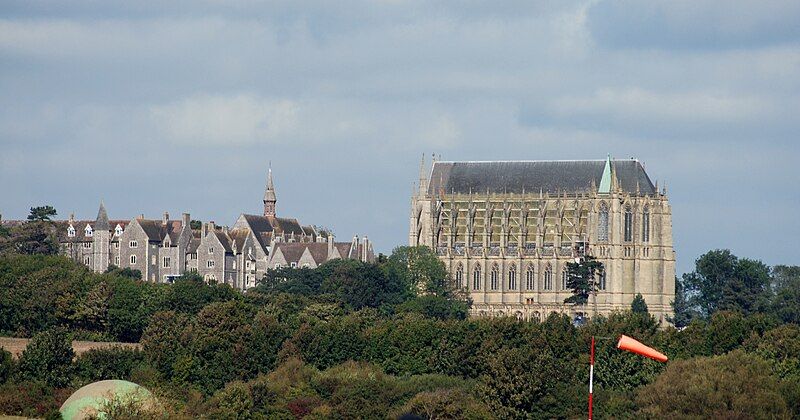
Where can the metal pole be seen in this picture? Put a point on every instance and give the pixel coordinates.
(591, 377)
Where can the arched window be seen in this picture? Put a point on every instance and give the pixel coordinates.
(646, 225)
(495, 284)
(602, 282)
(602, 223)
(459, 276)
(512, 278)
(548, 278)
(530, 277)
(564, 278)
(476, 278)
(628, 224)
(133, 259)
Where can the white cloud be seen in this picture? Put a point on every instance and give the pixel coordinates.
(218, 120)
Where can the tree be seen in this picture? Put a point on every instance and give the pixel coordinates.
(42, 213)
(6, 365)
(582, 279)
(48, 358)
(639, 306)
(734, 386)
(684, 313)
(31, 238)
(196, 224)
(722, 281)
(359, 284)
(420, 270)
(786, 302)
(523, 382)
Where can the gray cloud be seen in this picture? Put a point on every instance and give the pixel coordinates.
(695, 24)
(181, 105)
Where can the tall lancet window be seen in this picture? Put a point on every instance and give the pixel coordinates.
(460, 276)
(476, 278)
(495, 284)
(564, 278)
(530, 277)
(512, 278)
(548, 278)
(602, 223)
(628, 233)
(646, 225)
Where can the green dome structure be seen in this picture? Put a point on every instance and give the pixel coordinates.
(89, 400)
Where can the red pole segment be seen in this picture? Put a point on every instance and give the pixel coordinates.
(591, 377)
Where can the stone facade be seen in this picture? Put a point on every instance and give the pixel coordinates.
(240, 256)
(506, 230)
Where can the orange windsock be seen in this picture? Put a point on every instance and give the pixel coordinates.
(633, 346)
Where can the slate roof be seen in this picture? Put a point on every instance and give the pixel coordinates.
(225, 241)
(293, 251)
(258, 223)
(102, 219)
(156, 230)
(532, 176)
(194, 243)
(239, 236)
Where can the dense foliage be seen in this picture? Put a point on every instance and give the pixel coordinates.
(356, 340)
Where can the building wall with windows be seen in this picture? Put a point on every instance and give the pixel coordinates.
(506, 231)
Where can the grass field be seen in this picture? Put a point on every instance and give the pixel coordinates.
(17, 345)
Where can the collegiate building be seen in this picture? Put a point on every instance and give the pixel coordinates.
(239, 256)
(506, 230)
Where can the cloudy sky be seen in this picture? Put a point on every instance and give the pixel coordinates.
(181, 107)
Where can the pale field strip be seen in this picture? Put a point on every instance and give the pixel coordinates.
(17, 345)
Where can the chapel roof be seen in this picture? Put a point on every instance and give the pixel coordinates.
(551, 177)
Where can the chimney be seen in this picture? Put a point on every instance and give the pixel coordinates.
(212, 227)
(165, 220)
(364, 249)
(72, 216)
(141, 216)
(330, 246)
(187, 220)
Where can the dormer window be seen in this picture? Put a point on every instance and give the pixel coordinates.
(118, 230)
(71, 231)
(88, 230)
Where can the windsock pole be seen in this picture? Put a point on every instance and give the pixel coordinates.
(591, 377)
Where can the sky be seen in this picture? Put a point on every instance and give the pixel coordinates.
(180, 106)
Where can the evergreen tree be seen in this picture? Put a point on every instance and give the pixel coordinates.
(582, 279)
(42, 213)
(639, 306)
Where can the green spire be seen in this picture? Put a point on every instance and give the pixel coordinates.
(605, 181)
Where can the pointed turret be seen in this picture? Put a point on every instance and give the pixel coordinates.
(101, 223)
(423, 179)
(270, 199)
(605, 181)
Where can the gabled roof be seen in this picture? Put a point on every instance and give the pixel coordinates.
(293, 251)
(156, 230)
(258, 223)
(287, 226)
(532, 176)
(225, 241)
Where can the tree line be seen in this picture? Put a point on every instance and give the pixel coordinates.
(392, 340)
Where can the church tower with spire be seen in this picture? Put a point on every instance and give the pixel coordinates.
(269, 196)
